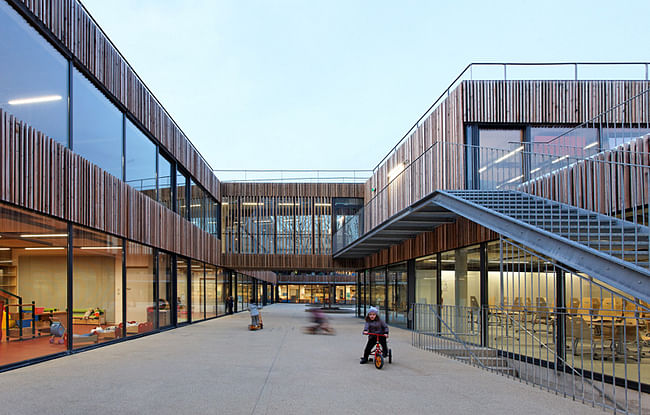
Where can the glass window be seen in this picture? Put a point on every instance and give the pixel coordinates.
(181, 195)
(378, 289)
(140, 309)
(614, 137)
(304, 226)
(140, 157)
(210, 291)
(397, 294)
(248, 224)
(97, 289)
(165, 294)
(165, 174)
(323, 226)
(33, 283)
(500, 157)
(426, 275)
(197, 205)
(285, 225)
(222, 291)
(549, 144)
(213, 216)
(33, 77)
(230, 224)
(198, 291)
(182, 294)
(267, 225)
(97, 126)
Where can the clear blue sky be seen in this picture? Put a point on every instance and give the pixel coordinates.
(334, 84)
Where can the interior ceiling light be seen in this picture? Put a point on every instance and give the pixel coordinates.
(101, 247)
(594, 144)
(49, 248)
(35, 100)
(44, 235)
(560, 159)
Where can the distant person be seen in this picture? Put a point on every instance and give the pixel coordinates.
(229, 304)
(255, 316)
(374, 324)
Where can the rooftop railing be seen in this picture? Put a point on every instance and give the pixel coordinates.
(510, 71)
(293, 176)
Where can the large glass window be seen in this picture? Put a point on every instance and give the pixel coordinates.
(213, 217)
(378, 289)
(222, 290)
(97, 287)
(140, 156)
(304, 226)
(33, 285)
(266, 222)
(500, 157)
(426, 276)
(182, 293)
(165, 175)
(140, 307)
(323, 226)
(397, 294)
(33, 77)
(197, 205)
(248, 224)
(210, 291)
(97, 126)
(285, 225)
(198, 291)
(165, 294)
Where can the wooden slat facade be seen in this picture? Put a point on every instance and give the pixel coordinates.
(77, 32)
(293, 189)
(42, 175)
(436, 166)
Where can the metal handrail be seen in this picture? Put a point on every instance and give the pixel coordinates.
(458, 339)
(19, 298)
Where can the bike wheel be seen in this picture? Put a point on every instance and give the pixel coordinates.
(390, 355)
(379, 361)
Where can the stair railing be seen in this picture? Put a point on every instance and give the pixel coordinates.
(427, 316)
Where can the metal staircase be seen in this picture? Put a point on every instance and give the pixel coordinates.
(610, 249)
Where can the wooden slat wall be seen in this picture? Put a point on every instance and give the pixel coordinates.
(40, 174)
(451, 236)
(70, 23)
(609, 183)
(268, 276)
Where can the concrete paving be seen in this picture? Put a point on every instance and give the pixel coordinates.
(219, 367)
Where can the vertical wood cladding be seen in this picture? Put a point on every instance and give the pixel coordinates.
(40, 174)
(72, 25)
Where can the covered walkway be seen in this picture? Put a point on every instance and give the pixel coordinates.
(219, 367)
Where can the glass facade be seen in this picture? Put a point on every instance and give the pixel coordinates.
(210, 291)
(182, 290)
(397, 295)
(165, 176)
(198, 291)
(33, 77)
(165, 287)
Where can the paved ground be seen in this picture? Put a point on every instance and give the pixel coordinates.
(219, 367)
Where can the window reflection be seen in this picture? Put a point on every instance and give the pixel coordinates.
(97, 126)
(140, 159)
(182, 294)
(198, 291)
(165, 174)
(33, 77)
(165, 294)
(181, 194)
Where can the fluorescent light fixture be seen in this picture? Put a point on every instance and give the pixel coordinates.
(566, 156)
(224, 203)
(514, 179)
(49, 248)
(44, 235)
(594, 144)
(101, 247)
(252, 204)
(35, 100)
(482, 169)
(7, 261)
(196, 205)
(512, 153)
(288, 204)
(5, 249)
(535, 170)
(323, 204)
